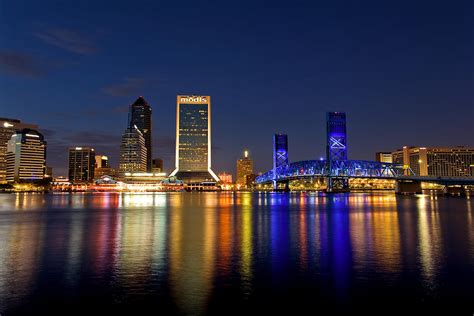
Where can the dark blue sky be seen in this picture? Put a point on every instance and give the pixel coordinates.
(402, 70)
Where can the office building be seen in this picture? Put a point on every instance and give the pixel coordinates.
(26, 156)
(193, 139)
(8, 127)
(140, 116)
(244, 168)
(436, 161)
(81, 164)
(383, 157)
(133, 153)
(157, 165)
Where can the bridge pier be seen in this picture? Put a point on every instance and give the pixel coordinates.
(408, 187)
(281, 185)
(458, 190)
(337, 184)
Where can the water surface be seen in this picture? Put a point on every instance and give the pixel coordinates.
(225, 253)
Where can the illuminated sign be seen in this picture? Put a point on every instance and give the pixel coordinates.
(78, 148)
(197, 99)
(32, 135)
(6, 124)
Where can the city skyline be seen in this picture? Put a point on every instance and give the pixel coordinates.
(396, 92)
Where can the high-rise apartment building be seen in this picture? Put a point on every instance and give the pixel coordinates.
(244, 168)
(81, 164)
(193, 139)
(140, 116)
(8, 127)
(133, 153)
(26, 156)
(436, 161)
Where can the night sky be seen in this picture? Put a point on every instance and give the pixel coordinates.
(402, 70)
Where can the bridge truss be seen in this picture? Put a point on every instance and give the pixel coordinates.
(338, 168)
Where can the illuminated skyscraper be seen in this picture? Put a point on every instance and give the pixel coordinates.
(26, 156)
(8, 127)
(193, 139)
(81, 164)
(133, 151)
(244, 168)
(140, 116)
(101, 161)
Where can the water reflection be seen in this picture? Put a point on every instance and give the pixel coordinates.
(199, 248)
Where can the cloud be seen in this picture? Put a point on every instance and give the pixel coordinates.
(131, 86)
(69, 40)
(21, 64)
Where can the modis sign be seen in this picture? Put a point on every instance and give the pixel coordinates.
(197, 99)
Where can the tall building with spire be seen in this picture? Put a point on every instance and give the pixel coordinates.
(244, 168)
(193, 139)
(140, 116)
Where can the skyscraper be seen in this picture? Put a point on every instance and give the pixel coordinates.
(244, 168)
(26, 156)
(8, 127)
(193, 139)
(133, 153)
(81, 164)
(140, 116)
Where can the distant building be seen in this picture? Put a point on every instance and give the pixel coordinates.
(81, 164)
(101, 161)
(225, 177)
(244, 168)
(8, 127)
(157, 165)
(193, 139)
(250, 180)
(384, 157)
(437, 161)
(133, 153)
(140, 116)
(26, 156)
(48, 172)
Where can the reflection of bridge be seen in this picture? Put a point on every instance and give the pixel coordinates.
(336, 170)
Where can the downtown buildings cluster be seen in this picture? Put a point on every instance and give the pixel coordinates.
(23, 154)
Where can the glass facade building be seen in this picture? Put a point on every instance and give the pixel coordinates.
(8, 127)
(26, 156)
(133, 153)
(193, 139)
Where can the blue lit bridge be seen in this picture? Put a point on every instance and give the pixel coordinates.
(336, 169)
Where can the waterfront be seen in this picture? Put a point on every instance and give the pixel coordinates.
(224, 252)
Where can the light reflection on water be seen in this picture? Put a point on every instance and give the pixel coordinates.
(192, 252)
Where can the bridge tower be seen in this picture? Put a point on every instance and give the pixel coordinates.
(336, 150)
(280, 154)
